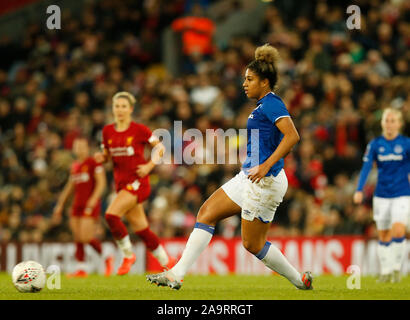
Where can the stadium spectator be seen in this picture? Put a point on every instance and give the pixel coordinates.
(197, 32)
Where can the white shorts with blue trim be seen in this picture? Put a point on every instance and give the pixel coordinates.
(387, 211)
(257, 200)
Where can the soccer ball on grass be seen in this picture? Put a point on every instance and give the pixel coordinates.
(29, 276)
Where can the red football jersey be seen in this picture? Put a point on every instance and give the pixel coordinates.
(82, 174)
(126, 149)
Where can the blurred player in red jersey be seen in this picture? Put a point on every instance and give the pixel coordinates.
(123, 142)
(87, 181)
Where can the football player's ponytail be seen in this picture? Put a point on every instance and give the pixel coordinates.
(265, 64)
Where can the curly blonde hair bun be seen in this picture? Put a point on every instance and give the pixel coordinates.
(265, 64)
(268, 54)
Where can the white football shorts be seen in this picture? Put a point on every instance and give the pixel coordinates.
(387, 211)
(257, 200)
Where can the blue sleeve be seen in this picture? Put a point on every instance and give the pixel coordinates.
(408, 147)
(407, 155)
(368, 159)
(275, 110)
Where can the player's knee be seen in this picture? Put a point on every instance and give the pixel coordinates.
(251, 245)
(138, 225)
(79, 237)
(84, 240)
(398, 230)
(87, 237)
(384, 235)
(76, 235)
(76, 238)
(205, 215)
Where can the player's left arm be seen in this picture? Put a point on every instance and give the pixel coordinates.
(157, 152)
(99, 187)
(290, 138)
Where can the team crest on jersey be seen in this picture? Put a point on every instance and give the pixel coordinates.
(129, 140)
(398, 148)
(109, 141)
(84, 168)
(381, 149)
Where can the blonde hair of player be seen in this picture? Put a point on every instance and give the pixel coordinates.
(268, 54)
(123, 104)
(125, 94)
(265, 64)
(391, 122)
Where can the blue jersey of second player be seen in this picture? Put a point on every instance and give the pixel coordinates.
(263, 135)
(393, 166)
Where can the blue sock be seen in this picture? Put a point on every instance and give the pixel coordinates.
(398, 240)
(205, 227)
(261, 254)
(384, 243)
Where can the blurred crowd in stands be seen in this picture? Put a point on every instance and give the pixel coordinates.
(58, 84)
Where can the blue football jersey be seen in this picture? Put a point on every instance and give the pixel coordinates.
(263, 135)
(393, 166)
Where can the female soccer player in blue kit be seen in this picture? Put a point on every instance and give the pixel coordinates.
(258, 189)
(391, 200)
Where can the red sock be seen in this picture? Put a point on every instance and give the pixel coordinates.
(150, 239)
(117, 227)
(79, 252)
(96, 244)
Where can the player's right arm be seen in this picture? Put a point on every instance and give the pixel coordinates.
(368, 159)
(58, 209)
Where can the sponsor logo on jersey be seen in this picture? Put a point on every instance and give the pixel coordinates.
(121, 151)
(81, 177)
(390, 157)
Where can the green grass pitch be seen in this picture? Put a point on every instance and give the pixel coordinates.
(211, 287)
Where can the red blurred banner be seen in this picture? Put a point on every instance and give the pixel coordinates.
(331, 255)
(7, 6)
(321, 255)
